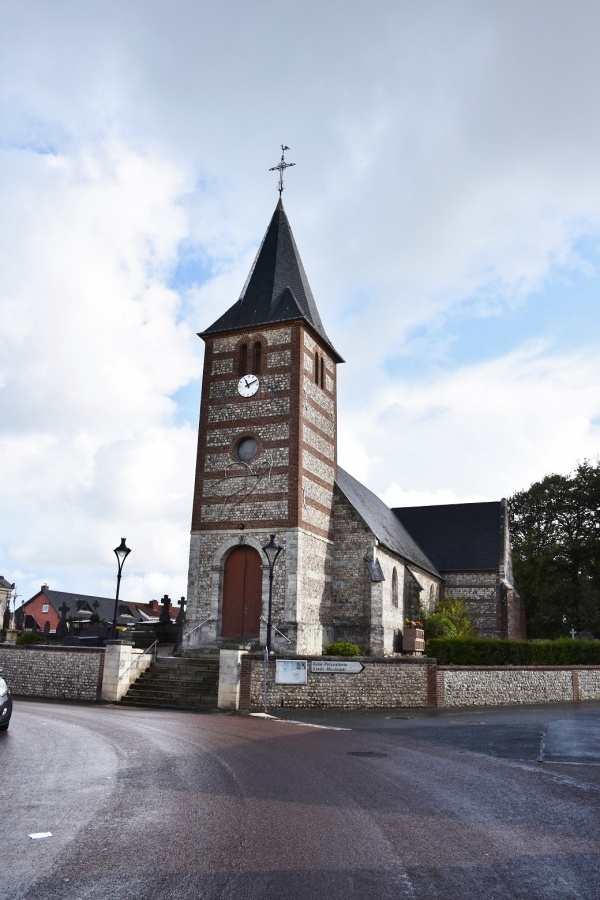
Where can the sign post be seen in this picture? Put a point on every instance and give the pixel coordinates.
(336, 667)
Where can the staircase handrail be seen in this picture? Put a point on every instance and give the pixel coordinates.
(187, 634)
(284, 636)
(137, 659)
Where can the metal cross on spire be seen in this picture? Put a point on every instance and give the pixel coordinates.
(282, 165)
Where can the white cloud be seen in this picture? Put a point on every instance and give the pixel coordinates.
(446, 158)
(478, 432)
(93, 348)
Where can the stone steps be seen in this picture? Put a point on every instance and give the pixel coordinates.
(176, 684)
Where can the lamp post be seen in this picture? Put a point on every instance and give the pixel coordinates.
(271, 551)
(121, 552)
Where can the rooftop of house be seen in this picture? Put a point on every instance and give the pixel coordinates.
(277, 289)
(153, 609)
(457, 536)
(76, 603)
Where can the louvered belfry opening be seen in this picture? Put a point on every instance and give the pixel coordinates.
(243, 360)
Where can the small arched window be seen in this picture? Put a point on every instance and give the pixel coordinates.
(316, 368)
(395, 588)
(243, 360)
(257, 357)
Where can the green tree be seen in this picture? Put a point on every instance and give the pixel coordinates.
(555, 527)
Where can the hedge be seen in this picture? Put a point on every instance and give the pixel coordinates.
(509, 652)
(342, 648)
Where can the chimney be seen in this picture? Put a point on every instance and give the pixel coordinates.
(45, 587)
(153, 605)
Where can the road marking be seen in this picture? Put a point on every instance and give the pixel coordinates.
(309, 724)
(40, 834)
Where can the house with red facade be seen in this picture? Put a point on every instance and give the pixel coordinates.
(45, 607)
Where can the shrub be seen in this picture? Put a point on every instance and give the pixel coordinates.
(342, 648)
(508, 652)
(30, 637)
(450, 619)
(438, 626)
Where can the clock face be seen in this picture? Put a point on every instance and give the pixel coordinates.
(248, 385)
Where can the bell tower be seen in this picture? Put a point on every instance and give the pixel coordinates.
(266, 461)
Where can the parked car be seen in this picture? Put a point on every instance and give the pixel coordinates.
(5, 704)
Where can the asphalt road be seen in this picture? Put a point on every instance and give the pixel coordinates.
(388, 804)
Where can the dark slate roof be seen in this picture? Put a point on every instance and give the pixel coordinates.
(457, 536)
(277, 289)
(76, 602)
(388, 530)
(4, 583)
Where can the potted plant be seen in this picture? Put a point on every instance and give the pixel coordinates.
(413, 640)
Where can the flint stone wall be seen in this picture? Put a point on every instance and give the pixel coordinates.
(505, 687)
(589, 684)
(381, 684)
(511, 686)
(59, 673)
(401, 682)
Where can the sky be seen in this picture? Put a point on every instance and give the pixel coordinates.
(445, 200)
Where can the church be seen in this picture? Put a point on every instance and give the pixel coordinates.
(351, 568)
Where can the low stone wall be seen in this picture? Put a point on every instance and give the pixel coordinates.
(589, 683)
(383, 683)
(506, 686)
(401, 682)
(75, 673)
(60, 673)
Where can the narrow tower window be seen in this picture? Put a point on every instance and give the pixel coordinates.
(243, 363)
(395, 588)
(322, 371)
(316, 368)
(257, 357)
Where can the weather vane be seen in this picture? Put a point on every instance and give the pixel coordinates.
(282, 165)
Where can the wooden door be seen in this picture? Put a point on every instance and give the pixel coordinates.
(242, 593)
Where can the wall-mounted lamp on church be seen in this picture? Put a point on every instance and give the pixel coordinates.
(121, 552)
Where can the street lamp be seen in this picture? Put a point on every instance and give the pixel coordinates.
(121, 552)
(271, 551)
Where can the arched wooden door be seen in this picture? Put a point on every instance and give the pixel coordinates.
(242, 593)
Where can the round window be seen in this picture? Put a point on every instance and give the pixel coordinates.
(246, 449)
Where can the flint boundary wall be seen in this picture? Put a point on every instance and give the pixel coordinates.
(58, 673)
(383, 683)
(417, 682)
(76, 673)
(504, 686)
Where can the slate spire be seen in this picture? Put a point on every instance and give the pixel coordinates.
(277, 289)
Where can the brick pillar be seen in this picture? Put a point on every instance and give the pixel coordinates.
(245, 683)
(575, 681)
(441, 687)
(432, 684)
